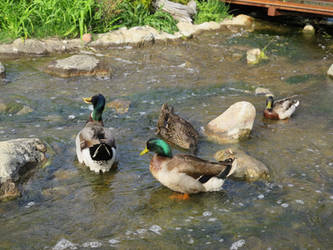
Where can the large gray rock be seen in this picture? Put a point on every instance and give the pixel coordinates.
(16, 158)
(233, 125)
(330, 71)
(78, 65)
(248, 168)
(2, 71)
(29, 46)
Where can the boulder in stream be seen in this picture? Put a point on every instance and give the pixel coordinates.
(248, 168)
(233, 125)
(254, 56)
(78, 65)
(17, 157)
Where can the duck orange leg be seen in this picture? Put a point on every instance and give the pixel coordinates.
(179, 197)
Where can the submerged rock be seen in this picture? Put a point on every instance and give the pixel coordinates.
(3, 106)
(248, 168)
(233, 125)
(263, 91)
(119, 105)
(2, 71)
(175, 129)
(78, 65)
(309, 29)
(17, 157)
(253, 56)
(25, 110)
(330, 71)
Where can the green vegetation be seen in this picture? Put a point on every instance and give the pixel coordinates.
(73, 18)
(211, 10)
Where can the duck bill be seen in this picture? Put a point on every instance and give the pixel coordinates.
(146, 150)
(87, 100)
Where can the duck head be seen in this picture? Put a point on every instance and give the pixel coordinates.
(269, 103)
(98, 102)
(158, 146)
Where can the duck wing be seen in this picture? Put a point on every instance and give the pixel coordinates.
(198, 168)
(94, 133)
(286, 107)
(98, 139)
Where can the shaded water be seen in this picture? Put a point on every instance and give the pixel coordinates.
(201, 77)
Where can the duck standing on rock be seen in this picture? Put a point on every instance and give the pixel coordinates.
(95, 145)
(186, 174)
(176, 130)
(280, 109)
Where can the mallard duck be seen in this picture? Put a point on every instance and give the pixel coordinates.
(186, 174)
(176, 130)
(95, 145)
(280, 109)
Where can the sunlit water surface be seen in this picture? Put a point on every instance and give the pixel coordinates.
(63, 204)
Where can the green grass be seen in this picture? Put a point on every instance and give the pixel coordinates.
(73, 18)
(211, 10)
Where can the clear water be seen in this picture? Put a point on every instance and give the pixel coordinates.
(201, 77)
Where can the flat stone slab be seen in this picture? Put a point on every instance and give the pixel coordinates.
(78, 65)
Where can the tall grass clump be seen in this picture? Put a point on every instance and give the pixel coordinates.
(139, 13)
(211, 10)
(42, 18)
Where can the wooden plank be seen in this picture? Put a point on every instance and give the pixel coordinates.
(287, 6)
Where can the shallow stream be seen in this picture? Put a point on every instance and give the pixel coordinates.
(201, 78)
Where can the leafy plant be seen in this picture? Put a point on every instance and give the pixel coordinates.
(211, 10)
(162, 21)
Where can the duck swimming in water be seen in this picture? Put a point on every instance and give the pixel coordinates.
(186, 174)
(95, 144)
(280, 109)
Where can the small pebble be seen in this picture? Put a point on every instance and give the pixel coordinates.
(261, 196)
(299, 202)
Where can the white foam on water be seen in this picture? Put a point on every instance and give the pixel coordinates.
(114, 241)
(284, 205)
(207, 213)
(261, 196)
(92, 244)
(64, 244)
(30, 204)
(141, 230)
(299, 202)
(156, 229)
(237, 244)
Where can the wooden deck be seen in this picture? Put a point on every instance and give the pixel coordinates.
(280, 7)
